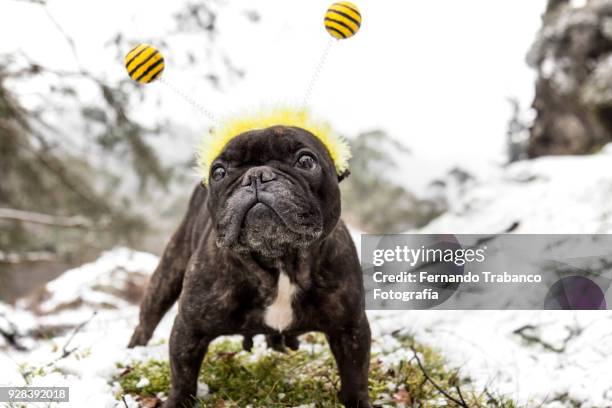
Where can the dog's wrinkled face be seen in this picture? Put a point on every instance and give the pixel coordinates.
(273, 190)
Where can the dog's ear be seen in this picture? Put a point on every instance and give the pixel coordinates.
(344, 175)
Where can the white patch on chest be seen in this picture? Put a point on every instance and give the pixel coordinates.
(279, 314)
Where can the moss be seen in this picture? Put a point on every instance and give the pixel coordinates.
(28, 372)
(157, 372)
(236, 378)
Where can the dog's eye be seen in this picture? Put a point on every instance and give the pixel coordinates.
(218, 173)
(306, 161)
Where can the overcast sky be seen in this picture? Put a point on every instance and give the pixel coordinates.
(434, 74)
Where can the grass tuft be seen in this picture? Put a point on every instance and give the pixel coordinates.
(308, 377)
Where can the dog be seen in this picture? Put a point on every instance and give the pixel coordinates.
(262, 250)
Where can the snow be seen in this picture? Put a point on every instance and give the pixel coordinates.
(112, 269)
(568, 364)
(549, 195)
(484, 345)
(99, 345)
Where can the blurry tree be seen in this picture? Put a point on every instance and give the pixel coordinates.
(373, 198)
(516, 133)
(554, 5)
(572, 54)
(64, 196)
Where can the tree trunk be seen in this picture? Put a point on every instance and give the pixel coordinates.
(572, 55)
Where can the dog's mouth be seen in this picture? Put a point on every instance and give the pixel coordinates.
(266, 209)
(261, 222)
(259, 210)
(263, 230)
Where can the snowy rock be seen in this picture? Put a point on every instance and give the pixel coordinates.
(569, 194)
(114, 280)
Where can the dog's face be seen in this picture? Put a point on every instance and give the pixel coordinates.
(273, 190)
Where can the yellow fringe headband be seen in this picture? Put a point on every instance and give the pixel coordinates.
(212, 145)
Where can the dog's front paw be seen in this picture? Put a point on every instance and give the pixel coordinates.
(139, 338)
(279, 342)
(170, 404)
(276, 342)
(247, 343)
(176, 401)
(292, 342)
(357, 403)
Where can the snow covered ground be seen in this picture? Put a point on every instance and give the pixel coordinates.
(567, 361)
(540, 358)
(90, 295)
(548, 195)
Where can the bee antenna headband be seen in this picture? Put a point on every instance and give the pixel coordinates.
(145, 64)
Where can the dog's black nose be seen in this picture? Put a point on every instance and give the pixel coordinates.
(258, 175)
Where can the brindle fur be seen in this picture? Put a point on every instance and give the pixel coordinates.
(223, 268)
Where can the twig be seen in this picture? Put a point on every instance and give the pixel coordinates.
(458, 389)
(461, 403)
(39, 2)
(532, 338)
(124, 401)
(28, 257)
(45, 219)
(63, 32)
(492, 399)
(57, 25)
(65, 351)
(544, 401)
(11, 339)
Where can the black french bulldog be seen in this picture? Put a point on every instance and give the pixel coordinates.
(262, 250)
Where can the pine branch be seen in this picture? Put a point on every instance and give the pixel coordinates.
(66, 178)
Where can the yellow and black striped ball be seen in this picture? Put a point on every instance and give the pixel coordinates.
(144, 63)
(342, 20)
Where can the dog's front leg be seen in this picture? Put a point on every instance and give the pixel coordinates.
(187, 350)
(351, 349)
